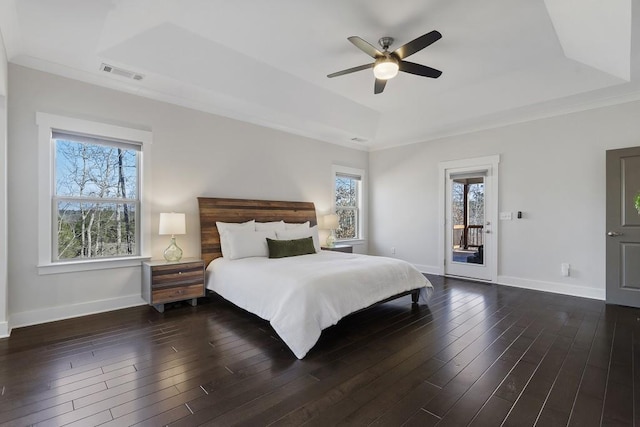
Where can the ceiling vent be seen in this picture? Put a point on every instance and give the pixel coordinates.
(120, 72)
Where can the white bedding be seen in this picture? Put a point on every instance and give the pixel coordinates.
(302, 295)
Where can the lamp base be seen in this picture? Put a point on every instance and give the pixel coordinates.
(331, 240)
(173, 253)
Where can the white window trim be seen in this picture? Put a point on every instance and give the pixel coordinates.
(46, 187)
(362, 226)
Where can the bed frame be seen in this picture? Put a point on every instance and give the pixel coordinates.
(241, 210)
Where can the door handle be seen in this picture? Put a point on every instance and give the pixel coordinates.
(613, 234)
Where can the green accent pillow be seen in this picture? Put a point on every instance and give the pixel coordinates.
(287, 248)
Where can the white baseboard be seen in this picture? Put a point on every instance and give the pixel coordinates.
(428, 269)
(4, 329)
(536, 285)
(555, 287)
(51, 314)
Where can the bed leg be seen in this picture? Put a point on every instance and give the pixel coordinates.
(415, 296)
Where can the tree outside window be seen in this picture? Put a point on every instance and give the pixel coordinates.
(347, 193)
(475, 203)
(96, 200)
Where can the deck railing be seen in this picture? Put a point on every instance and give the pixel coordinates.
(470, 237)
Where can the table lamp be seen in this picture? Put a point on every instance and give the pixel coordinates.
(331, 223)
(172, 223)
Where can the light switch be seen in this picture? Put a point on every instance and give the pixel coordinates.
(506, 216)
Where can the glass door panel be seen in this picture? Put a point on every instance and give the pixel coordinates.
(467, 220)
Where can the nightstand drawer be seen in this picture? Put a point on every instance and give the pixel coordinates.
(171, 275)
(161, 296)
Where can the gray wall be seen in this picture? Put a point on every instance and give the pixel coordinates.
(553, 170)
(4, 314)
(194, 154)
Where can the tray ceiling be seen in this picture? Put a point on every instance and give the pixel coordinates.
(266, 62)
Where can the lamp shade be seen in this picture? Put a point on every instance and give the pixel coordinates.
(172, 223)
(330, 221)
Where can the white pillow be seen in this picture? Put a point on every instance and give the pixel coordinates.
(266, 226)
(245, 244)
(294, 225)
(223, 227)
(301, 233)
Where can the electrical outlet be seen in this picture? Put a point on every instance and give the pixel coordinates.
(565, 269)
(393, 250)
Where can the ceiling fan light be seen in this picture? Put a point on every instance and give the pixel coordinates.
(386, 69)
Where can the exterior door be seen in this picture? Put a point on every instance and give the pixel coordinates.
(470, 210)
(623, 227)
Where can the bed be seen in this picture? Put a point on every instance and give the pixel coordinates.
(300, 295)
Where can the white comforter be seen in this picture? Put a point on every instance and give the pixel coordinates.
(300, 296)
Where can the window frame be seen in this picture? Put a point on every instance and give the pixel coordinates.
(336, 171)
(46, 176)
(58, 136)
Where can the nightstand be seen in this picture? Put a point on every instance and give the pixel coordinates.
(164, 282)
(339, 248)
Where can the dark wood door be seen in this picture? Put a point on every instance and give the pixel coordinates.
(623, 227)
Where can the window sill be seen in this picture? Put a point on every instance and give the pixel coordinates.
(89, 265)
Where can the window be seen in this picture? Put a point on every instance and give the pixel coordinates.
(92, 213)
(95, 200)
(348, 200)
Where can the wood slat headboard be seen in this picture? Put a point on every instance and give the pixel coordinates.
(241, 210)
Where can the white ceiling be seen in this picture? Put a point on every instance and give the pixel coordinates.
(266, 62)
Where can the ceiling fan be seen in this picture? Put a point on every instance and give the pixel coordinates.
(387, 64)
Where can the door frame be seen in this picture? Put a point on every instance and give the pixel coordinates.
(476, 164)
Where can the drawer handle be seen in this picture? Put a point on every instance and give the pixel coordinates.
(179, 272)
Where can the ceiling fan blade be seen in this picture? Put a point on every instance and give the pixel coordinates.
(417, 44)
(419, 70)
(365, 46)
(350, 70)
(379, 86)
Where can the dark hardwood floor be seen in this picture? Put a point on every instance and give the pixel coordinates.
(481, 355)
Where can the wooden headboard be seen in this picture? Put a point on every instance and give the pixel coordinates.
(240, 210)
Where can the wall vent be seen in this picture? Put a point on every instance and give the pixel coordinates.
(120, 72)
